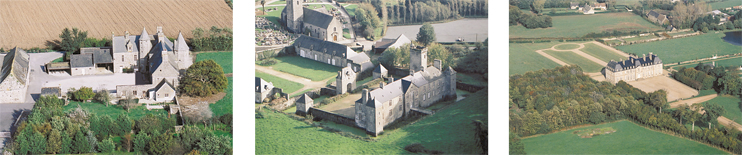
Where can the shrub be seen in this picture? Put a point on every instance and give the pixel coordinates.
(203, 78)
(83, 94)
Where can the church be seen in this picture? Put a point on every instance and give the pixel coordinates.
(317, 23)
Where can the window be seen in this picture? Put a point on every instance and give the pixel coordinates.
(122, 58)
(334, 29)
(134, 92)
(166, 95)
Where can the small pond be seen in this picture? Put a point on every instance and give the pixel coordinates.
(734, 37)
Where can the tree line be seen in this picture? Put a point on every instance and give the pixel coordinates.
(418, 11)
(552, 99)
(216, 39)
(528, 4)
(528, 20)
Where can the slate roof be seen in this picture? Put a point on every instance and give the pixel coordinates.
(360, 58)
(366, 66)
(387, 93)
(144, 35)
(15, 58)
(100, 55)
(164, 83)
(317, 18)
(157, 59)
(305, 99)
(81, 60)
(181, 45)
(653, 14)
(396, 42)
(51, 91)
(634, 62)
(323, 46)
(380, 69)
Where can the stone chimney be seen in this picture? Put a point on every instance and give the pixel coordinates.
(391, 79)
(160, 34)
(381, 84)
(364, 96)
(126, 36)
(437, 64)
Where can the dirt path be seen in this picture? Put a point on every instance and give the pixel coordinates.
(726, 122)
(692, 101)
(560, 62)
(609, 48)
(308, 84)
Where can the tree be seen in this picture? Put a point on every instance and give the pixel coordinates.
(83, 94)
(693, 115)
(190, 137)
(103, 96)
(203, 78)
(80, 144)
(37, 143)
(140, 142)
(54, 142)
(516, 146)
(262, 2)
(92, 141)
(681, 112)
(713, 111)
(538, 6)
(106, 146)
(125, 125)
(128, 103)
(729, 84)
(72, 41)
(198, 113)
(216, 145)
(126, 140)
(658, 99)
(597, 117)
(426, 36)
(160, 144)
(66, 143)
(437, 51)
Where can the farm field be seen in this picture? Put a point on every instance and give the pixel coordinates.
(273, 16)
(601, 53)
(114, 111)
(224, 106)
(448, 130)
(725, 4)
(224, 59)
(523, 57)
(731, 106)
(34, 27)
(286, 85)
(580, 25)
(572, 58)
(307, 68)
(683, 49)
(629, 138)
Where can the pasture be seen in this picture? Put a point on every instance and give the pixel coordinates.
(307, 68)
(572, 58)
(523, 57)
(683, 49)
(629, 138)
(43, 21)
(224, 106)
(567, 46)
(725, 62)
(731, 107)
(601, 53)
(286, 85)
(448, 130)
(725, 4)
(224, 59)
(580, 25)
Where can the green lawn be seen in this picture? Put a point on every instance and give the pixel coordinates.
(731, 106)
(114, 110)
(307, 68)
(346, 33)
(273, 16)
(224, 106)
(725, 4)
(523, 57)
(351, 9)
(315, 6)
(572, 58)
(580, 25)
(286, 85)
(224, 59)
(448, 130)
(628, 139)
(277, 2)
(473, 79)
(567, 47)
(601, 53)
(58, 60)
(683, 49)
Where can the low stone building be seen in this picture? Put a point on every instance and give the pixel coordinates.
(392, 101)
(385, 43)
(263, 89)
(303, 104)
(633, 69)
(91, 61)
(656, 17)
(332, 53)
(14, 76)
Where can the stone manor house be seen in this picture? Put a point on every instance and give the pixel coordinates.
(395, 100)
(320, 23)
(14, 76)
(633, 69)
(332, 53)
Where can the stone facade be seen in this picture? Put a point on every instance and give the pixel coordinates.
(303, 104)
(345, 81)
(332, 53)
(320, 23)
(14, 76)
(263, 89)
(633, 69)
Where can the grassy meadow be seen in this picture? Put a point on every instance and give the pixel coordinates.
(572, 58)
(523, 57)
(351, 8)
(286, 85)
(601, 53)
(307, 68)
(224, 59)
(725, 4)
(580, 25)
(567, 47)
(224, 106)
(629, 138)
(731, 106)
(448, 130)
(683, 49)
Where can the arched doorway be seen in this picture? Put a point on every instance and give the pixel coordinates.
(349, 88)
(334, 37)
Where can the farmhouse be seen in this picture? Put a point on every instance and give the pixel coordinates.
(317, 23)
(332, 53)
(574, 5)
(602, 6)
(587, 9)
(262, 89)
(656, 17)
(14, 76)
(162, 66)
(633, 69)
(382, 106)
(385, 43)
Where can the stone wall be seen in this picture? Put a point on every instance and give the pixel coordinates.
(82, 71)
(324, 115)
(468, 87)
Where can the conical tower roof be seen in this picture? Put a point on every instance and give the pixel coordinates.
(144, 35)
(180, 43)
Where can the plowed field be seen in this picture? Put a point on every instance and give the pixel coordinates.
(31, 23)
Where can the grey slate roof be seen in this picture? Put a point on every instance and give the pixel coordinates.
(634, 62)
(100, 55)
(417, 79)
(180, 44)
(366, 66)
(653, 14)
(387, 93)
(51, 91)
(304, 99)
(81, 60)
(144, 35)
(164, 83)
(15, 58)
(317, 18)
(360, 58)
(322, 46)
(380, 69)
(119, 44)
(396, 42)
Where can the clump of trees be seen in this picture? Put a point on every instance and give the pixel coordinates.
(475, 61)
(530, 21)
(82, 94)
(216, 39)
(72, 40)
(369, 19)
(203, 78)
(694, 78)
